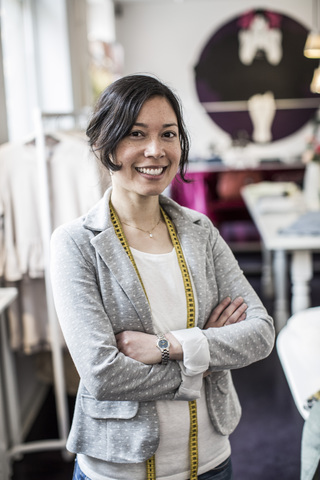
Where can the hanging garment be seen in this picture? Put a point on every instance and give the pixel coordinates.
(22, 249)
(75, 184)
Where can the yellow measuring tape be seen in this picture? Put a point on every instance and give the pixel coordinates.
(193, 437)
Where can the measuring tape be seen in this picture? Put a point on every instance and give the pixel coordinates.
(193, 437)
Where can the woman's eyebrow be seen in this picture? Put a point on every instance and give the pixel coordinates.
(165, 125)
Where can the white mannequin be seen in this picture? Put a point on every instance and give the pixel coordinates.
(262, 110)
(259, 36)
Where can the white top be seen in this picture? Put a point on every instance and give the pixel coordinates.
(164, 286)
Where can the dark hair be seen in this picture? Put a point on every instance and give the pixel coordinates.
(117, 110)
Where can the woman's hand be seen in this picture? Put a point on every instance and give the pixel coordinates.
(139, 346)
(143, 347)
(227, 313)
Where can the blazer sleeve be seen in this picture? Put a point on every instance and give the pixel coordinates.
(106, 373)
(240, 344)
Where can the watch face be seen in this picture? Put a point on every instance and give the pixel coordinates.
(163, 343)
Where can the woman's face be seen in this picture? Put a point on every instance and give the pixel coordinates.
(150, 154)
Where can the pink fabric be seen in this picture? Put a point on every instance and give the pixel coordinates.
(193, 195)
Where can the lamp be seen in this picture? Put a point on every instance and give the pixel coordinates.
(315, 84)
(312, 46)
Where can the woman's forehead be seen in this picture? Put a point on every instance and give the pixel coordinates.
(157, 108)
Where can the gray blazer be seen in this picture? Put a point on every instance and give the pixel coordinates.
(98, 294)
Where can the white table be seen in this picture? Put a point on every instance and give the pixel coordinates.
(274, 206)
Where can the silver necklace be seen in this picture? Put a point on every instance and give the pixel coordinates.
(145, 231)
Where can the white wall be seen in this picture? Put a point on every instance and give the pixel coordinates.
(101, 20)
(52, 56)
(15, 68)
(3, 111)
(36, 62)
(166, 37)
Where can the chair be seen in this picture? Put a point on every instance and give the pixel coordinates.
(298, 347)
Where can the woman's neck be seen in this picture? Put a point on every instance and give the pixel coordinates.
(137, 210)
(142, 223)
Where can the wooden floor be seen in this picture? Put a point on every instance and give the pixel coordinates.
(265, 446)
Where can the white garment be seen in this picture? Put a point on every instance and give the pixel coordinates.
(76, 180)
(75, 186)
(23, 251)
(28, 319)
(164, 286)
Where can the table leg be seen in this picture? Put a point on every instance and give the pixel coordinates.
(4, 461)
(11, 389)
(301, 274)
(266, 274)
(281, 309)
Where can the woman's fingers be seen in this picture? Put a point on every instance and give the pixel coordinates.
(227, 313)
(219, 309)
(237, 315)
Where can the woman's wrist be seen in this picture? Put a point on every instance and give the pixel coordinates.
(175, 352)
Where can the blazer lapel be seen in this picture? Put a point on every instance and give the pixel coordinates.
(107, 245)
(194, 240)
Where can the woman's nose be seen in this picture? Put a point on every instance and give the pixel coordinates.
(154, 149)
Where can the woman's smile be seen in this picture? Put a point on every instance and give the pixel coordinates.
(151, 171)
(150, 153)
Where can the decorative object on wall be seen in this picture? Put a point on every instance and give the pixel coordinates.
(252, 77)
(106, 64)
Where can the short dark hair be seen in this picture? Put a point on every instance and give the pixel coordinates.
(117, 110)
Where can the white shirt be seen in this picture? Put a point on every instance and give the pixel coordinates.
(164, 286)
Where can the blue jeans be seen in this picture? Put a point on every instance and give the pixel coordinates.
(78, 474)
(221, 472)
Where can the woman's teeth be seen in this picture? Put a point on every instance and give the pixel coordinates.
(151, 171)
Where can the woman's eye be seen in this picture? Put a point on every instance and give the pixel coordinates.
(135, 133)
(170, 134)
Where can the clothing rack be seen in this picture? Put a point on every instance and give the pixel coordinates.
(46, 228)
(46, 224)
(18, 447)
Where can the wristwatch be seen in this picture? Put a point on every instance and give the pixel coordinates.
(163, 345)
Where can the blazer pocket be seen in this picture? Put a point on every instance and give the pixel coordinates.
(223, 403)
(108, 409)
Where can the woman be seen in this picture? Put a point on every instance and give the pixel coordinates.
(153, 306)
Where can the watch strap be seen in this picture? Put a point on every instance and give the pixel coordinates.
(165, 354)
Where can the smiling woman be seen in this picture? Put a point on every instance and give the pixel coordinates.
(153, 306)
(149, 156)
(117, 110)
